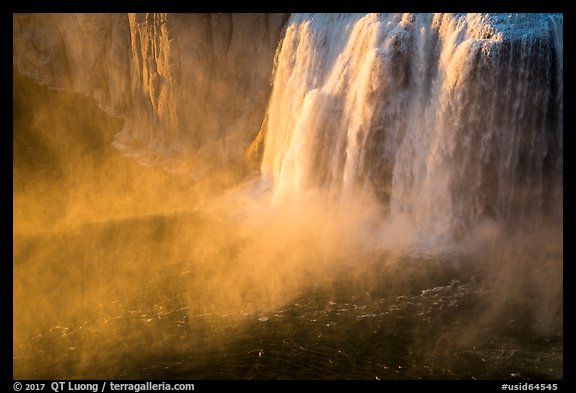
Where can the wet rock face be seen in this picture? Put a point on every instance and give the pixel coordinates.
(182, 82)
(86, 53)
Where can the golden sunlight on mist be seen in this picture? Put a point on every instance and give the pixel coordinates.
(115, 261)
(274, 196)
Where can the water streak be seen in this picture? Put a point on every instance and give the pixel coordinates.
(444, 121)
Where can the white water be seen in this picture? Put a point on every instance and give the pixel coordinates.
(423, 129)
(439, 121)
(446, 122)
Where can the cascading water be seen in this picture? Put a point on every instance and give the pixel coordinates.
(405, 221)
(444, 120)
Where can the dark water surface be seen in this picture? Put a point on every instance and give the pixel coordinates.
(423, 319)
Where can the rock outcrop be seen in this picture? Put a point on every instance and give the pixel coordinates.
(191, 88)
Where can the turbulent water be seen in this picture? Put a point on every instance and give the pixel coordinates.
(398, 216)
(444, 120)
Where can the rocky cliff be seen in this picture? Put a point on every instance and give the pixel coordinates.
(192, 90)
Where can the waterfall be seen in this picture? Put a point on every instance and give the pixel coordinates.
(445, 121)
(274, 196)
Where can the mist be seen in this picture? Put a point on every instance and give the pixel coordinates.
(270, 196)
